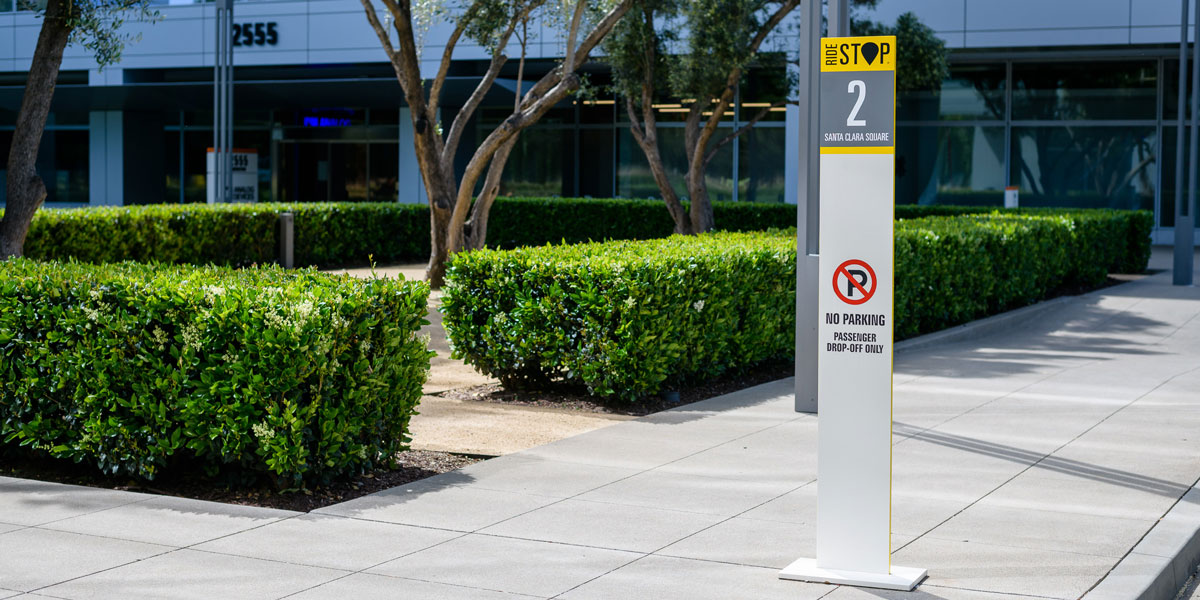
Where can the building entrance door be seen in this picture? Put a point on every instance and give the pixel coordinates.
(323, 171)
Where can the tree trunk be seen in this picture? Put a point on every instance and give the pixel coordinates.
(649, 145)
(477, 226)
(700, 211)
(439, 229)
(25, 189)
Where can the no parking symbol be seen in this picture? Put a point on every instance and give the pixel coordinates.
(854, 282)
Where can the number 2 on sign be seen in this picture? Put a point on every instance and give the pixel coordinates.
(851, 121)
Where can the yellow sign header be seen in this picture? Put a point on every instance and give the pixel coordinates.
(866, 53)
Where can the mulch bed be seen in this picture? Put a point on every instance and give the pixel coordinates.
(413, 465)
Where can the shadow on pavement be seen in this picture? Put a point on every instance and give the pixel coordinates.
(1066, 466)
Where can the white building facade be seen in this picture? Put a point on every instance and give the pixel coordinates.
(1072, 101)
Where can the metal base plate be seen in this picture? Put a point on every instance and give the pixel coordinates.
(901, 578)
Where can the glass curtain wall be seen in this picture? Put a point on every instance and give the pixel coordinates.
(62, 160)
(1077, 132)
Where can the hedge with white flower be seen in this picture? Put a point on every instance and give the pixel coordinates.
(295, 376)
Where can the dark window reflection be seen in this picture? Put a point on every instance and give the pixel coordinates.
(1084, 90)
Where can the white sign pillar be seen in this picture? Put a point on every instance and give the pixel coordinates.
(854, 327)
(242, 170)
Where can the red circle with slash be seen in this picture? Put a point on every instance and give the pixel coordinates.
(846, 274)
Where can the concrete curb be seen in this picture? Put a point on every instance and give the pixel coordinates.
(1160, 564)
(981, 327)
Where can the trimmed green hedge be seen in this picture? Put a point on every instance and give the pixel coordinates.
(327, 234)
(624, 318)
(629, 318)
(137, 368)
(332, 234)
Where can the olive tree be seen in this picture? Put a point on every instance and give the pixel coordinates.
(694, 50)
(697, 51)
(458, 219)
(95, 24)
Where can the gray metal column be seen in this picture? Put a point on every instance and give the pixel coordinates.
(807, 188)
(839, 18)
(223, 103)
(1184, 203)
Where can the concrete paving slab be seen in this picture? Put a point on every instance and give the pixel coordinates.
(7, 527)
(193, 575)
(1038, 530)
(768, 544)
(435, 503)
(613, 526)
(331, 542)
(1078, 493)
(541, 477)
(688, 493)
(170, 521)
(28, 502)
(916, 513)
(509, 565)
(667, 578)
(35, 558)
(1004, 569)
(364, 586)
(788, 467)
(622, 448)
(9, 594)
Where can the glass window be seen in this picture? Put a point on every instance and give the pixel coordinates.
(536, 165)
(6, 136)
(384, 116)
(62, 163)
(1085, 90)
(1166, 217)
(950, 165)
(761, 164)
(596, 163)
(6, 5)
(348, 172)
(599, 110)
(634, 179)
(195, 157)
(171, 166)
(1170, 97)
(385, 170)
(1085, 167)
(970, 92)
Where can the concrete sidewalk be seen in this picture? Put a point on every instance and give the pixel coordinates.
(1028, 463)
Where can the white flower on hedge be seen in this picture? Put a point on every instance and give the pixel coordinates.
(698, 305)
(629, 302)
(160, 337)
(92, 314)
(191, 337)
(364, 346)
(263, 431)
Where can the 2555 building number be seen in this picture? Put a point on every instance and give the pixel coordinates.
(255, 34)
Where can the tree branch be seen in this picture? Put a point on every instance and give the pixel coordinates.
(743, 129)
(435, 92)
(382, 33)
(498, 59)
